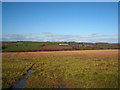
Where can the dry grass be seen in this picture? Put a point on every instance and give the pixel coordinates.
(80, 69)
(49, 48)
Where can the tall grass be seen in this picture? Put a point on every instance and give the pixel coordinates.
(71, 69)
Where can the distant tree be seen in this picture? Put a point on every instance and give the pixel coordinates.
(3, 47)
(43, 45)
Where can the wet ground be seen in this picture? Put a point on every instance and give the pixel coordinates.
(22, 82)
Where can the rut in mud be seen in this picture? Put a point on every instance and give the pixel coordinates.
(22, 82)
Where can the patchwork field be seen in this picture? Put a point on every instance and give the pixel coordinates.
(53, 46)
(69, 69)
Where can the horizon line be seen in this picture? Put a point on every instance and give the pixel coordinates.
(59, 41)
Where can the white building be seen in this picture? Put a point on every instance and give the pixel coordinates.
(62, 44)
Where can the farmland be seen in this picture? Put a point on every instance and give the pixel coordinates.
(20, 46)
(69, 69)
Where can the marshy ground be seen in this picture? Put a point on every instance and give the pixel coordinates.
(71, 69)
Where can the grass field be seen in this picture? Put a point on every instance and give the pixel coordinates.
(55, 69)
(54, 46)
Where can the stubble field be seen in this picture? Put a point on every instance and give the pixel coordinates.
(55, 69)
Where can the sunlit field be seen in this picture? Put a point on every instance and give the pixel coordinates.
(69, 69)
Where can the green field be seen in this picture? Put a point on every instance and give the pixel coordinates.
(54, 46)
(71, 69)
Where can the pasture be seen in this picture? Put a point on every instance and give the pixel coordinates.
(69, 69)
(23, 46)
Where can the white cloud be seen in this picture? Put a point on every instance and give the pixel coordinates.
(48, 36)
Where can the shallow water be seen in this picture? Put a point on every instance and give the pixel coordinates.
(22, 82)
(28, 74)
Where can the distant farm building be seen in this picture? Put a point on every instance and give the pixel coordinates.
(62, 44)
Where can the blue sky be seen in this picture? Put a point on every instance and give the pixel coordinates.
(60, 21)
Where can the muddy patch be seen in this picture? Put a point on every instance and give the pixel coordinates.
(22, 82)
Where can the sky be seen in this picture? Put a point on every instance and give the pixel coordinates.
(60, 0)
(60, 21)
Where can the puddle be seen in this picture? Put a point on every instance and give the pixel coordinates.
(63, 88)
(21, 84)
(28, 74)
